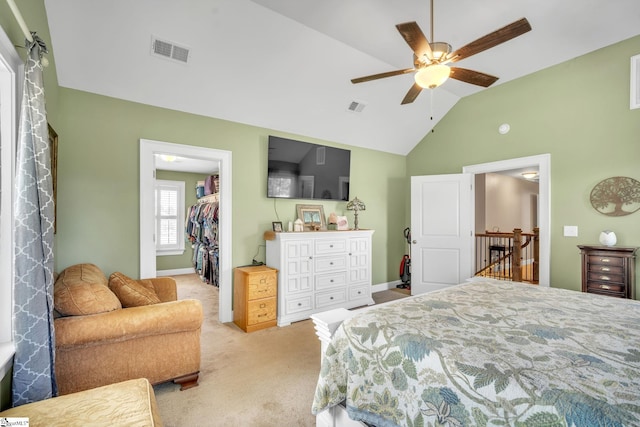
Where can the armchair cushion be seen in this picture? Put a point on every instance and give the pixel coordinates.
(133, 293)
(82, 289)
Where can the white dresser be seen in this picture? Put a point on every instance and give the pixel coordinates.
(319, 271)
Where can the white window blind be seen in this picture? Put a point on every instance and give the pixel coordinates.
(169, 208)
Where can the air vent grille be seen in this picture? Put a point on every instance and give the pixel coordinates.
(169, 50)
(356, 106)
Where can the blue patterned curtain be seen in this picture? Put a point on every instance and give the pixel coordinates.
(33, 367)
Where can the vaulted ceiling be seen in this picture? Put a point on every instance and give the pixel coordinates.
(287, 64)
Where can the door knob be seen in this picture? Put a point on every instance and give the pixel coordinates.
(414, 241)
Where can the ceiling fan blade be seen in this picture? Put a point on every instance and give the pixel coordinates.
(416, 39)
(381, 75)
(412, 94)
(495, 38)
(473, 77)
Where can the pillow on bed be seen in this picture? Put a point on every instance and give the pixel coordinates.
(132, 293)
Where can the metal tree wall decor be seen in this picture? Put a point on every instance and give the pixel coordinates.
(616, 196)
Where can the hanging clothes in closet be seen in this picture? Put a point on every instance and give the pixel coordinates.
(202, 231)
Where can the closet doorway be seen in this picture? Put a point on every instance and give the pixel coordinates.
(148, 150)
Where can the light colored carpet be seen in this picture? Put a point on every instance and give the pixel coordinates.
(264, 378)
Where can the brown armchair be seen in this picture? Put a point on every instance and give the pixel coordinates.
(101, 340)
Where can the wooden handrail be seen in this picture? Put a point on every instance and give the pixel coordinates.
(515, 252)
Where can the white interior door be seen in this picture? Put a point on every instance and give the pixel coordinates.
(441, 231)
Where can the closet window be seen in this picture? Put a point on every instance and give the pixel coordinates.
(169, 207)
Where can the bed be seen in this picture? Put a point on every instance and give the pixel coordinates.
(482, 353)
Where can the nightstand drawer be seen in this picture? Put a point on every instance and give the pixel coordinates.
(605, 277)
(605, 260)
(606, 269)
(259, 311)
(606, 287)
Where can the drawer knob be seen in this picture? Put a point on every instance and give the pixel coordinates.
(606, 287)
(263, 305)
(262, 315)
(330, 298)
(605, 260)
(331, 280)
(331, 263)
(263, 280)
(299, 304)
(605, 269)
(605, 278)
(330, 246)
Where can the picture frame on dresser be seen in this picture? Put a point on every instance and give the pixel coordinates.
(312, 217)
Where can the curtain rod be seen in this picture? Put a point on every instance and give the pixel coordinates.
(21, 23)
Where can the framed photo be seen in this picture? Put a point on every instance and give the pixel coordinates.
(277, 226)
(312, 216)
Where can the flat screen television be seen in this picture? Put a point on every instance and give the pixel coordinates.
(301, 170)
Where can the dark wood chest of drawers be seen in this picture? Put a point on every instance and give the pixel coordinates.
(609, 270)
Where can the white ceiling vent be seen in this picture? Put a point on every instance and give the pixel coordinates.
(356, 106)
(169, 50)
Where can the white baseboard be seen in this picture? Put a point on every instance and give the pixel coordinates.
(174, 272)
(385, 286)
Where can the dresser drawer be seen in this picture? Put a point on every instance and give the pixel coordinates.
(331, 280)
(605, 260)
(357, 292)
(295, 305)
(261, 285)
(333, 263)
(330, 246)
(330, 298)
(259, 311)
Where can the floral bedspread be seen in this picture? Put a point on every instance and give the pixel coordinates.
(488, 354)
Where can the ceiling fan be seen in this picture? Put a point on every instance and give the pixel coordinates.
(430, 59)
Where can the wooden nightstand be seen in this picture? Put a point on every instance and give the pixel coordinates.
(255, 297)
(609, 270)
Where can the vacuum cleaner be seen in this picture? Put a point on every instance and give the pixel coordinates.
(405, 264)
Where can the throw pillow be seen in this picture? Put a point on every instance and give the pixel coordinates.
(132, 293)
(82, 289)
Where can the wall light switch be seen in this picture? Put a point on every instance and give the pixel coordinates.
(571, 231)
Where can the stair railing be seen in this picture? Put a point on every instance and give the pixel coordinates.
(508, 256)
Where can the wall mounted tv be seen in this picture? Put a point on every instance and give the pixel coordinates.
(301, 170)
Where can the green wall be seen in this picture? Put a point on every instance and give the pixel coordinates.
(98, 179)
(174, 262)
(578, 112)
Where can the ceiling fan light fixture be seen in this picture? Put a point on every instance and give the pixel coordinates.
(440, 50)
(432, 76)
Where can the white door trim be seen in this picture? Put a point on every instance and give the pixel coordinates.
(11, 71)
(148, 148)
(543, 163)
